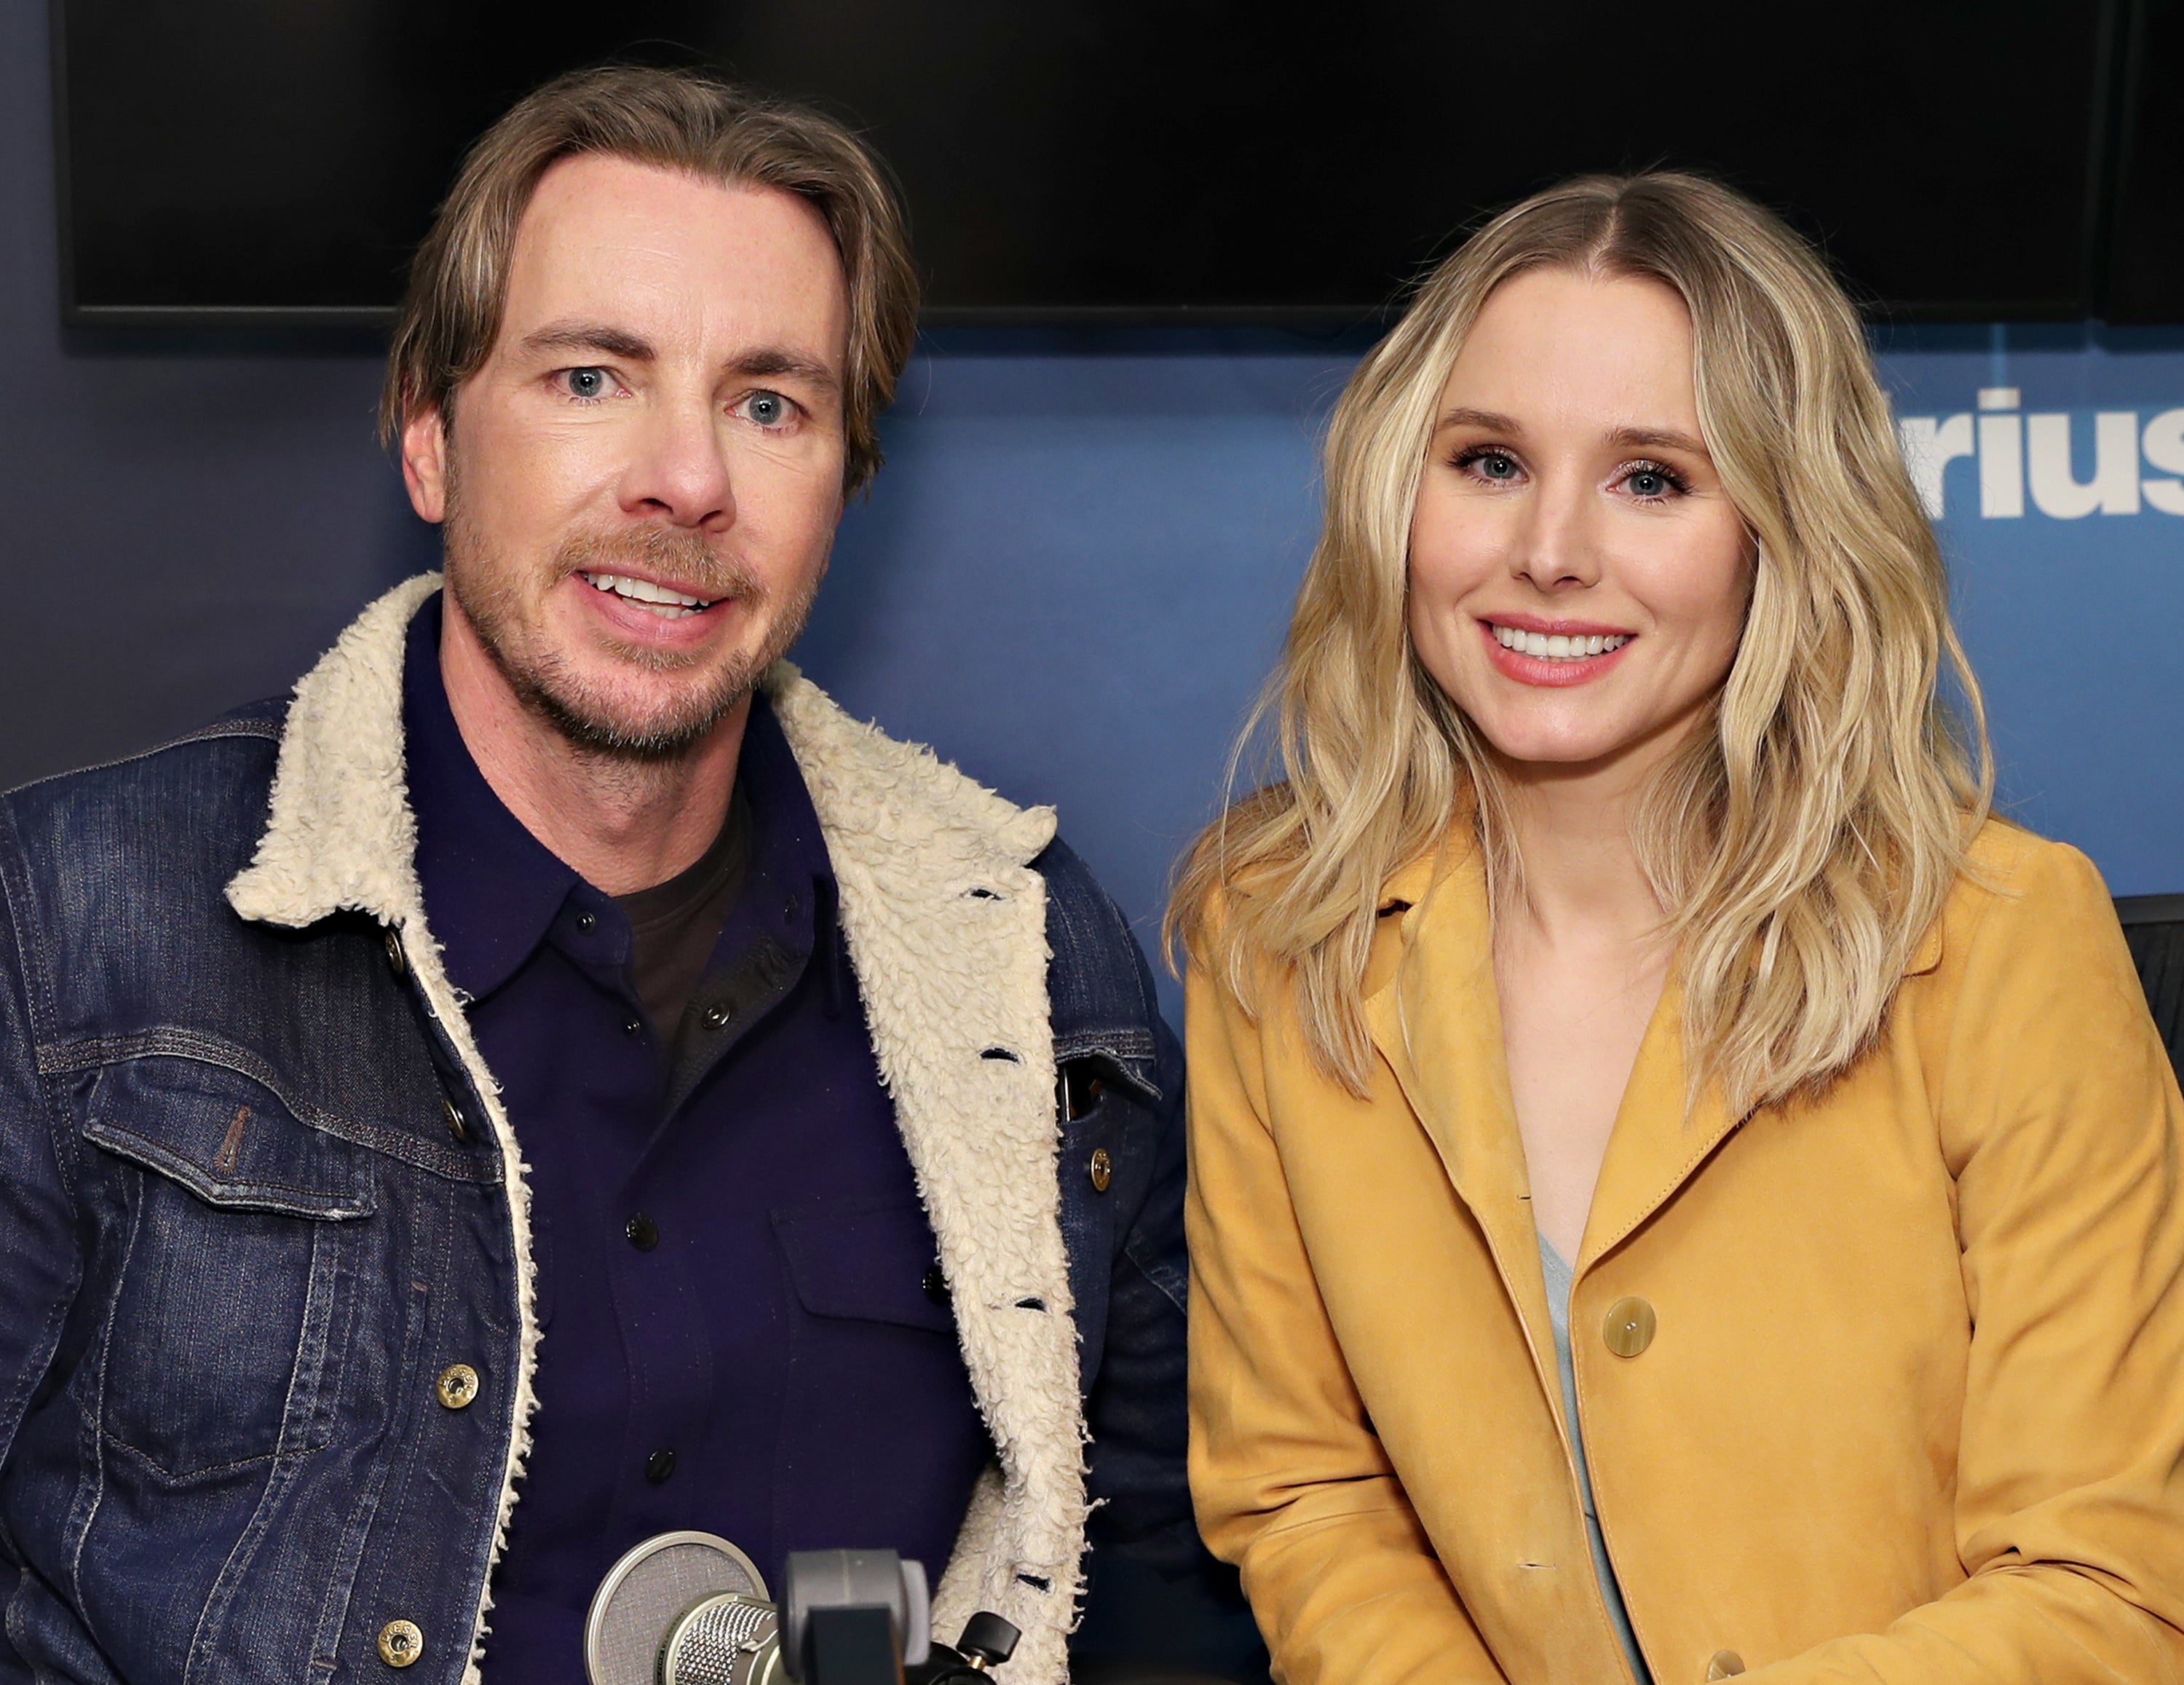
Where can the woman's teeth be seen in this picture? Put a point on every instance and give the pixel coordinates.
(1541, 647)
(656, 598)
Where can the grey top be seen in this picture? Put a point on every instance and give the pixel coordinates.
(1559, 1283)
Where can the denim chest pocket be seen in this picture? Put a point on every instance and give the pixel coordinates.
(224, 1314)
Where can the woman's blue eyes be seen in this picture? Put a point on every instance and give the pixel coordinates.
(1647, 482)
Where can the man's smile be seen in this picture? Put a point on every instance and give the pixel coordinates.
(664, 600)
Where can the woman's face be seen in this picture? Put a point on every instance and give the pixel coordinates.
(1578, 578)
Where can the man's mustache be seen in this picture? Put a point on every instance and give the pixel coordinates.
(684, 557)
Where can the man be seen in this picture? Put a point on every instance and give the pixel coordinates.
(557, 1080)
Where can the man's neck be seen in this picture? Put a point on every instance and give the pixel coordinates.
(620, 824)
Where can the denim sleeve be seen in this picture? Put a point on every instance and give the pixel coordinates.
(1138, 1413)
(1156, 1596)
(40, 1266)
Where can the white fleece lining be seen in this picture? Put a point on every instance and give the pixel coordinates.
(946, 920)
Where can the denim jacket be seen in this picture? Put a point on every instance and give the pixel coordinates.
(259, 1200)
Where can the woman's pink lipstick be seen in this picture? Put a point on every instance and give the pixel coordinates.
(1551, 672)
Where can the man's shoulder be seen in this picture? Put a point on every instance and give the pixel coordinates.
(200, 794)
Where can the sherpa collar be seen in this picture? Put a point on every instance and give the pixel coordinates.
(945, 919)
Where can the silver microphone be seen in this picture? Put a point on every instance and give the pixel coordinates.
(690, 1608)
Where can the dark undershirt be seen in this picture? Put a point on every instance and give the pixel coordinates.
(675, 926)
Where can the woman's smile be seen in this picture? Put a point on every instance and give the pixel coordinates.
(1534, 651)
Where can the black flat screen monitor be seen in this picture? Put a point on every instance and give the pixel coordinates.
(1141, 160)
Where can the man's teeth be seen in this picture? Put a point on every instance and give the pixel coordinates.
(667, 604)
(1557, 648)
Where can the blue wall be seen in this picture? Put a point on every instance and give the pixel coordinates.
(1071, 576)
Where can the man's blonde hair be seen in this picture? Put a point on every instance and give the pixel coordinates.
(677, 120)
(1805, 837)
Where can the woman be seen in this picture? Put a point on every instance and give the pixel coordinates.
(1677, 1190)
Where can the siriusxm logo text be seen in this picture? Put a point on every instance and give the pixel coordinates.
(2018, 453)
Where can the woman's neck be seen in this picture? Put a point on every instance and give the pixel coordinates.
(1581, 870)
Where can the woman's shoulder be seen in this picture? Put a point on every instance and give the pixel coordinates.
(2019, 891)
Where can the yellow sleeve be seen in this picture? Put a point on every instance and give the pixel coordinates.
(2061, 1120)
(1290, 1483)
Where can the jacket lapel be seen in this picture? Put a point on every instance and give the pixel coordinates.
(1438, 1023)
(340, 836)
(946, 923)
(1660, 1136)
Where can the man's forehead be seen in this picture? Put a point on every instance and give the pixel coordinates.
(703, 264)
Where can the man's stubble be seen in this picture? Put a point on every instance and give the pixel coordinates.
(588, 716)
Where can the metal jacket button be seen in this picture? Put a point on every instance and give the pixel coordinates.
(1102, 1170)
(394, 954)
(400, 1644)
(1630, 1326)
(458, 1386)
(458, 1126)
(1724, 1664)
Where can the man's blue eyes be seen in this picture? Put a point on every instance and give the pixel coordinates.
(767, 408)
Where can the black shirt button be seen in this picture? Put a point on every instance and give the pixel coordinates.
(586, 923)
(644, 1233)
(789, 913)
(631, 1026)
(717, 1017)
(659, 1466)
(936, 1286)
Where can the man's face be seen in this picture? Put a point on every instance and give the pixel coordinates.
(641, 485)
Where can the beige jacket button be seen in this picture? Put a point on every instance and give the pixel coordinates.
(1629, 1329)
(1724, 1664)
(1103, 1169)
(400, 1644)
(457, 1386)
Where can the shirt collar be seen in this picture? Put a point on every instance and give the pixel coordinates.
(491, 888)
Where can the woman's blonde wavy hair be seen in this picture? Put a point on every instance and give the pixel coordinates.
(1803, 842)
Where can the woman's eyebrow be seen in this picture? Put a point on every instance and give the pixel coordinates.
(1485, 419)
(1655, 438)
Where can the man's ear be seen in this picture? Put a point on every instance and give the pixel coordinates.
(424, 462)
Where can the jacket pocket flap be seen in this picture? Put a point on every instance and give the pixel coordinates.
(228, 1138)
(868, 1259)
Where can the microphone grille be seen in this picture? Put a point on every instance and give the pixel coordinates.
(645, 1594)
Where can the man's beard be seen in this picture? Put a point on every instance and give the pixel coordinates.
(587, 714)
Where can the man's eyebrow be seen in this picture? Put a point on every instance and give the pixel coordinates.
(1656, 438)
(777, 360)
(581, 336)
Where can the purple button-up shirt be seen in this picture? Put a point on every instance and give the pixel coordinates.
(744, 1332)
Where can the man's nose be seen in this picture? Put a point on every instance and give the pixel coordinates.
(679, 471)
(1558, 549)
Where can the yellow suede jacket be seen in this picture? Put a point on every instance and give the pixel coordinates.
(1907, 1401)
